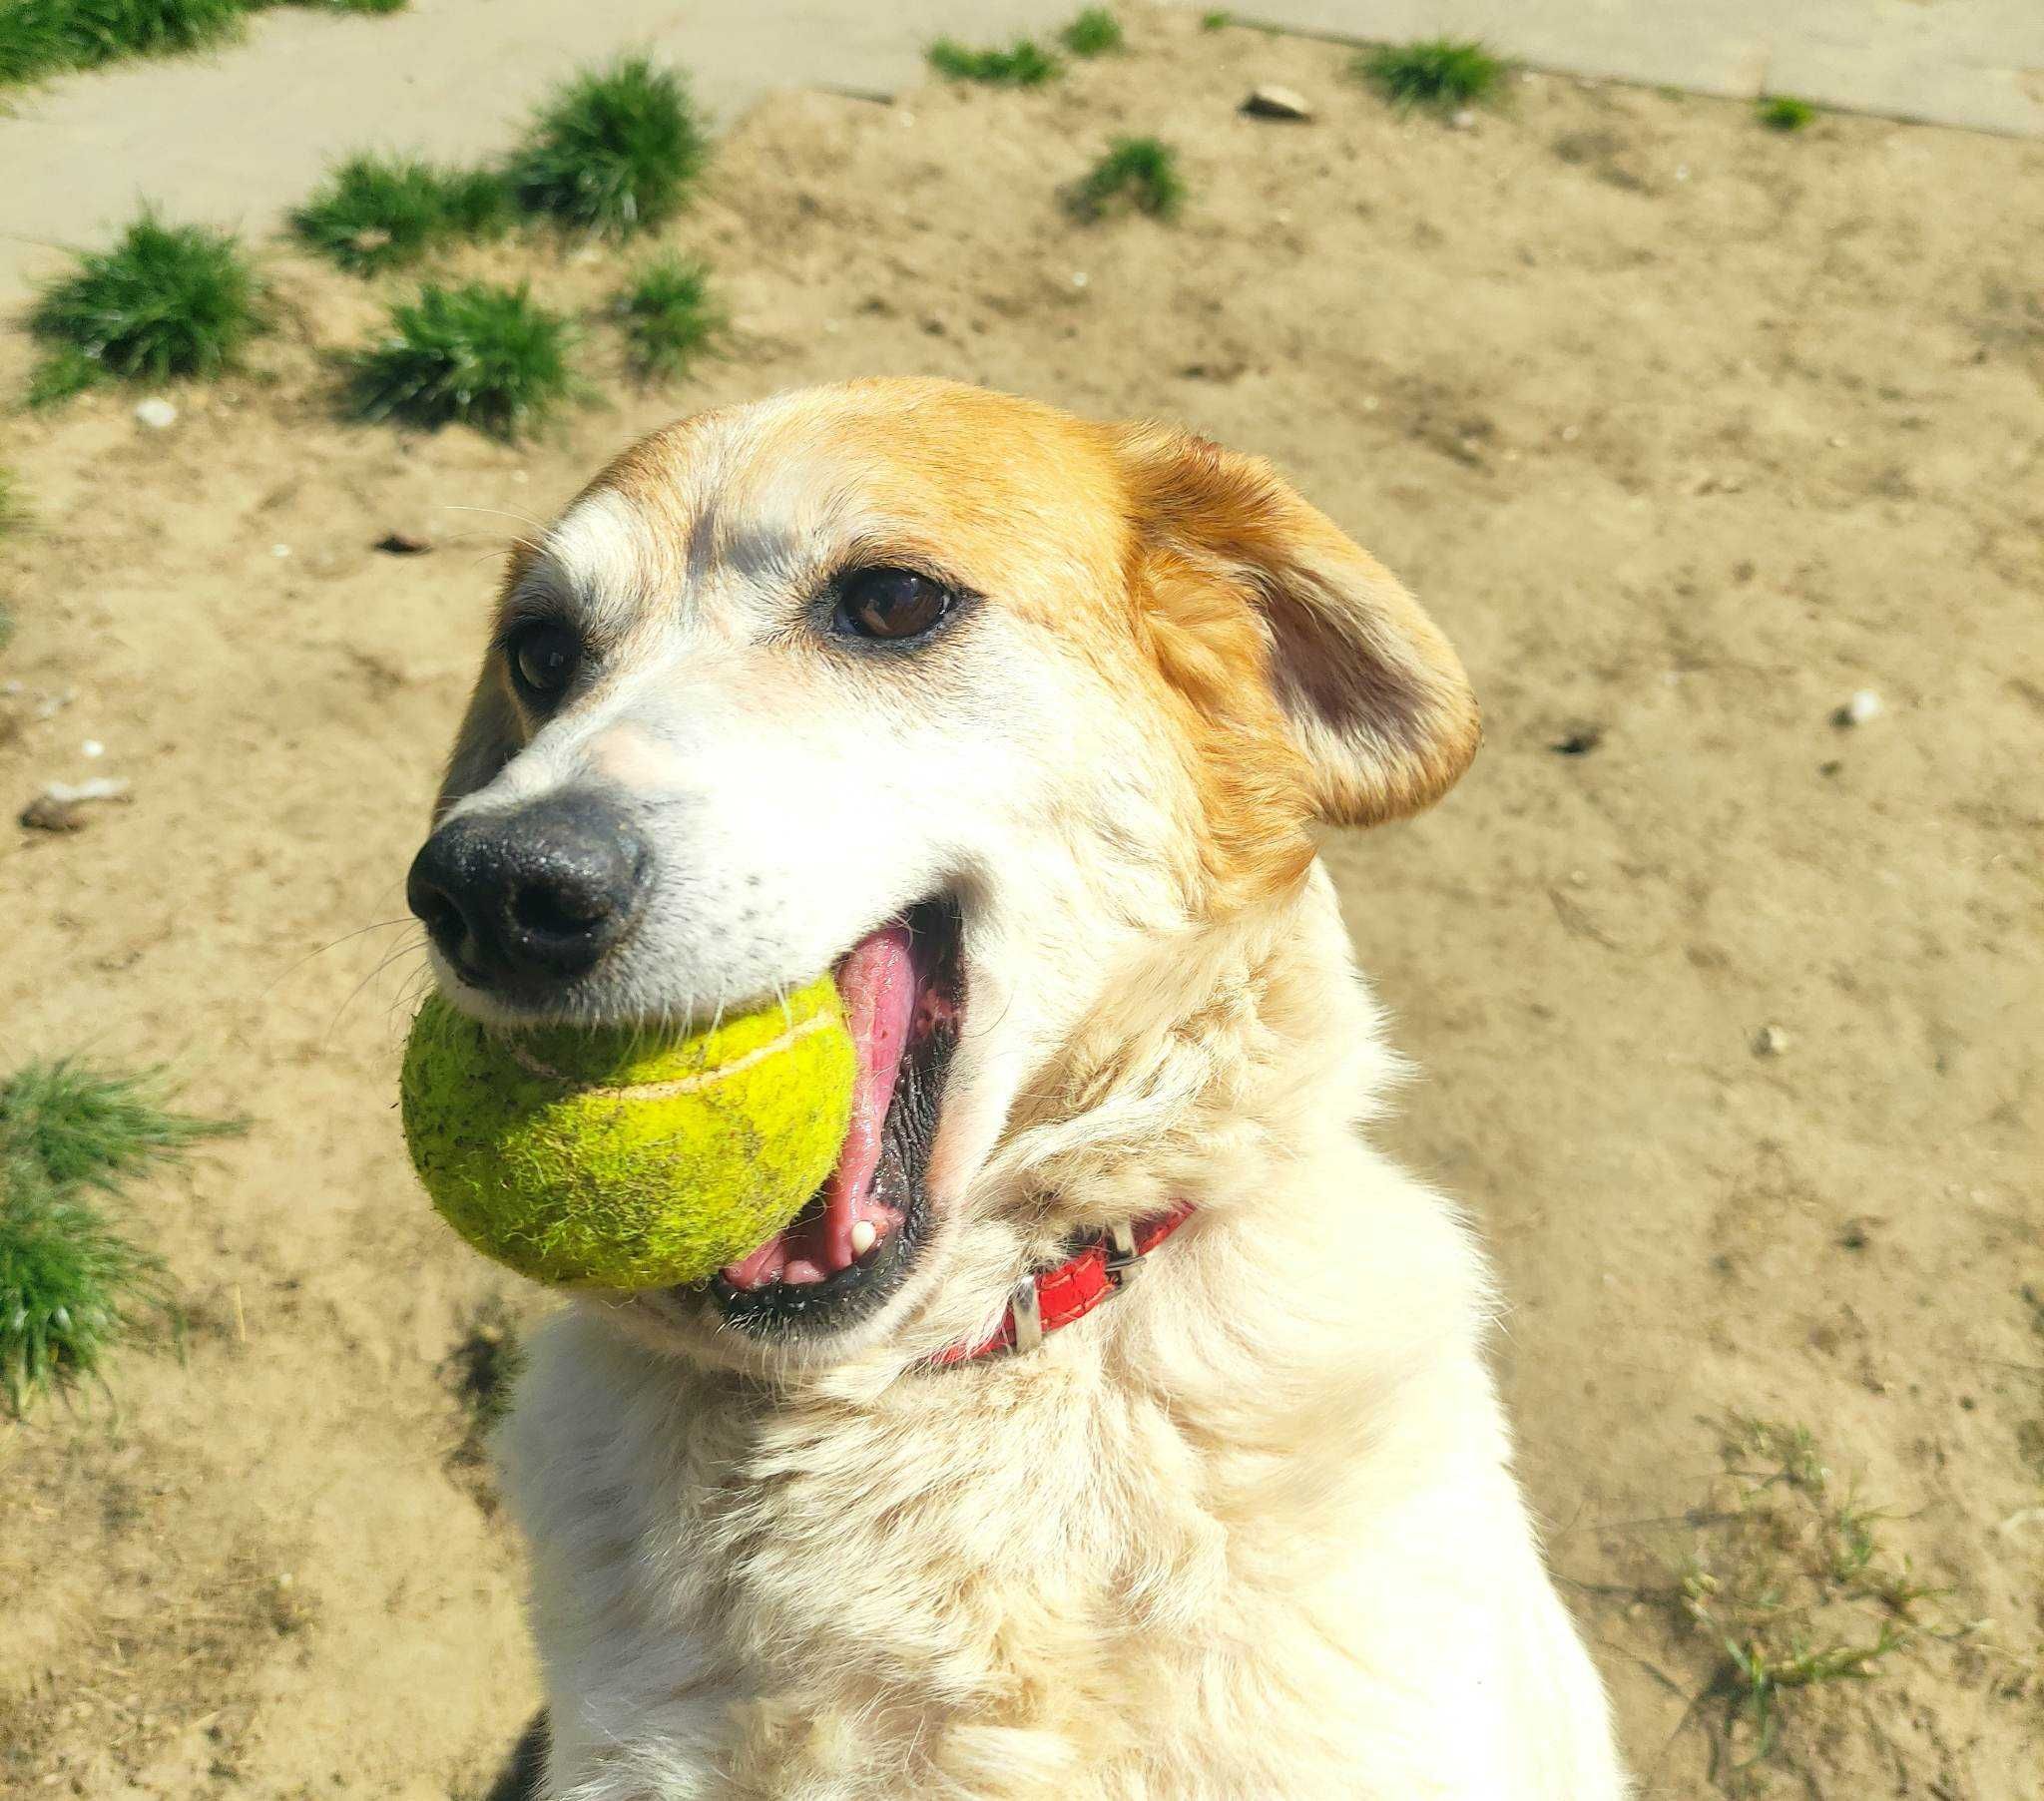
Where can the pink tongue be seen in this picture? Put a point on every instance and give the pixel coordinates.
(877, 982)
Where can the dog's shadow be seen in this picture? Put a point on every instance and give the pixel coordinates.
(520, 1778)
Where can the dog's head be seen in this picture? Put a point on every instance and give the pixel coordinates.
(964, 699)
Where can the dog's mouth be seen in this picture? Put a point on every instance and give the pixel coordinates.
(857, 1237)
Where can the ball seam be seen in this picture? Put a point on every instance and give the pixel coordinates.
(680, 1085)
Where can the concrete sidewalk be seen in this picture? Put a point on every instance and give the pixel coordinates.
(237, 137)
(1976, 64)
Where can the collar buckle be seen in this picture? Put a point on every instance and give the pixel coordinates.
(1124, 1255)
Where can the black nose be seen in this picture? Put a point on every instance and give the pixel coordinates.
(538, 893)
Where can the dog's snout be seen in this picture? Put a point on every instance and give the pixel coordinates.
(535, 894)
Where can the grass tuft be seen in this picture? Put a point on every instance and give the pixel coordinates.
(166, 300)
(1095, 31)
(1142, 168)
(1024, 64)
(618, 149)
(1442, 73)
(668, 315)
(72, 1285)
(41, 37)
(1215, 21)
(1781, 1586)
(59, 376)
(478, 354)
(383, 213)
(1778, 113)
(78, 1124)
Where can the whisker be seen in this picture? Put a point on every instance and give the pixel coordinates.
(525, 519)
(290, 969)
(412, 948)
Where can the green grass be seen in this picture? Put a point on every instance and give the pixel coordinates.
(1024, 64)
(384, 212)
(1778, 113)
(1444, 73)
(1142, 170)
(59, 376)
(72, 1285)
(1095, 31)
(81, 1125)
(668, 315)
(616, 151)
(166, 300)
(72, 1282)
(478, 354)
(1791, 1588)
(43, 37)
(39, 38)
(1215, 21)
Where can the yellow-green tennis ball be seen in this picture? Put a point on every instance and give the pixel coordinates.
(608, 1159)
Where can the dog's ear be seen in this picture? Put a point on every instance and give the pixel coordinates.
(1370, 693)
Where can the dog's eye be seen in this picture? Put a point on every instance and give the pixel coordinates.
(891, 604)
(544, 655)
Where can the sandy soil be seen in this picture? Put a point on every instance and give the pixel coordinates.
(1684, 431)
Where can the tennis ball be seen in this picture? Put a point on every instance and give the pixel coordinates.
(606, 1159)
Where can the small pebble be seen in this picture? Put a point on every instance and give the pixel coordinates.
(1769, 1041)
(1570, 433)
(1863, 706)
(1463, 120)
(57, 807)
(1268, 101)
(279, 551)
(97, 788)
(1079, 277)
(91, 747)
(156, 413)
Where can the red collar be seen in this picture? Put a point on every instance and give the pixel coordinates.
(1052, 1298)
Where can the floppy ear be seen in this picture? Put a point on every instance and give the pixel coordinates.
(1371, 695)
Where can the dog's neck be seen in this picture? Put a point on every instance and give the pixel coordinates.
(1222, 1048)
(1222, 1040)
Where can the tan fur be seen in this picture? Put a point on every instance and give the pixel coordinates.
(1248, 1531)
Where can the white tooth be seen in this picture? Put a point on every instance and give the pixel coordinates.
(862, 1237)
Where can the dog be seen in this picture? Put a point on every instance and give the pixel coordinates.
(1115, 1421)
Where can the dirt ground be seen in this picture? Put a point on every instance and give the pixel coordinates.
(1684, 430)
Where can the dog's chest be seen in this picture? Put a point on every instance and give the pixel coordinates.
(841, 1600)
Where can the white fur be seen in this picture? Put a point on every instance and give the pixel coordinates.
(1250, 1531)
(1247, 1531)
